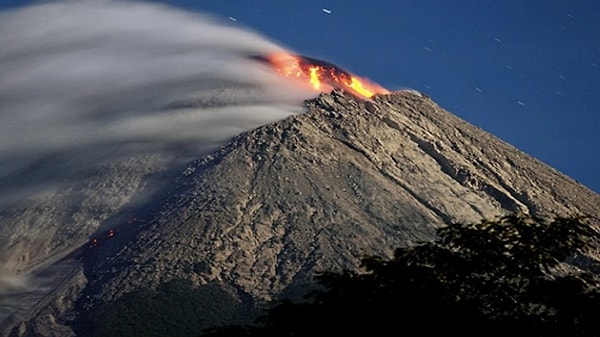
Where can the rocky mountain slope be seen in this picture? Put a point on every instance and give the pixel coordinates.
(316, 191)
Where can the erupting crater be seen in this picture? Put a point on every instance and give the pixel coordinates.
(320, 75)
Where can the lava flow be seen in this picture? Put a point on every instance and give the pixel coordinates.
(320, 75)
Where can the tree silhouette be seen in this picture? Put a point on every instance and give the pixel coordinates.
(498, 277)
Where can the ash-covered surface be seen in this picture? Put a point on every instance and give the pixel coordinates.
(317, 191)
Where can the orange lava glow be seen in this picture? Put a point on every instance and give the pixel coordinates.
(321, 75)
(314, 77)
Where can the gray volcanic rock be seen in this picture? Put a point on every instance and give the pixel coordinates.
(30, 232)
(317, 191)
(40, 231)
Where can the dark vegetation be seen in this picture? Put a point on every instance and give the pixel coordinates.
(176, 309)
(510, 276)
(495, 278)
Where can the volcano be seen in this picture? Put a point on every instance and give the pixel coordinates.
(315, 191)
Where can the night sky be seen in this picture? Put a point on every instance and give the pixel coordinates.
(526, 71)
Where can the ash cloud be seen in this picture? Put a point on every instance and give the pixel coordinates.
(79, 77)
(86, 81)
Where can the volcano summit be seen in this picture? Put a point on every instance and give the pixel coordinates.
(321, 75)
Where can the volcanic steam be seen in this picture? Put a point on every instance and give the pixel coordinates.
(78, 78)
(86, 84)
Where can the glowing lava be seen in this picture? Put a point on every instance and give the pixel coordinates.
(321, 75)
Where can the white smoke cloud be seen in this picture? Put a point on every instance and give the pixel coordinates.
(78, 75)
(79, 79)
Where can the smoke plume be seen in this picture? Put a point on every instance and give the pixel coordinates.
(78, 77)
(82, 81)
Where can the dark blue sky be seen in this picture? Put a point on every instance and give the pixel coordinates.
(525, 71)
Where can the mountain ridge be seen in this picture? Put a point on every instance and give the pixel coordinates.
(316, 191)
(295, 164)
